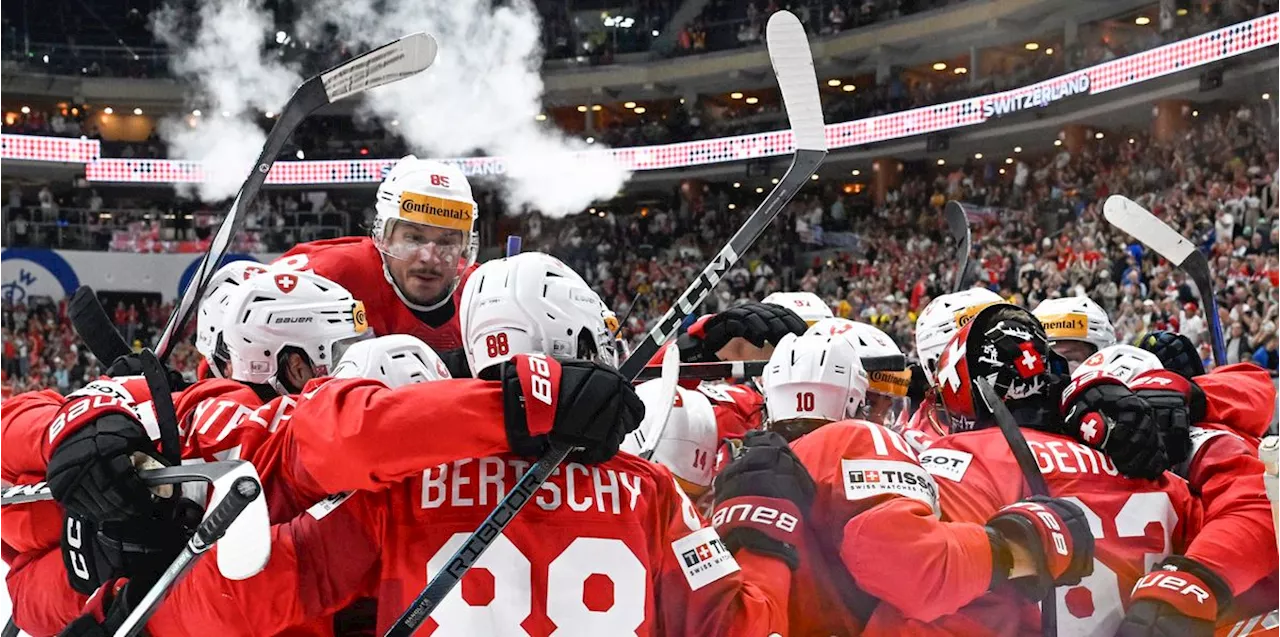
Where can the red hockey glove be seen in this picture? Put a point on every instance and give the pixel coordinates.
(107, 609)
(1176, 403)
(1180, 597)
(1055, 533)
(762, 496)
(1101, 412)
(580, 403)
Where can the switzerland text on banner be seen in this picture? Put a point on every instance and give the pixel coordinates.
(1147, 65)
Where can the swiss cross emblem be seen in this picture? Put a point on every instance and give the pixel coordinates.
(286, 282)
(948, 376)
(1092, 429)
(704, 552)
(1030, 363)
(252, 271)
(871, 476)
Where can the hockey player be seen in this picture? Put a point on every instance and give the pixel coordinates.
(414, 263)
(872, 492)
(1133, 521)
(687, 441)
(888, 379)
(807, 305)
(607, 549)
(935, 326)
(1077, 327)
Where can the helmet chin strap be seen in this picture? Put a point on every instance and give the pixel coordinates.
(444, 298)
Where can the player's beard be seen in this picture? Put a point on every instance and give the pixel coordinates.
(427, 283)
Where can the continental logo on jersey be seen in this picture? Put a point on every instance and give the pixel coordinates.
(891, 383)
(873, 478)
(436, 211)
(1072, 325)
(964, 316)
(946, 463)
(359, 317)
(703, 557)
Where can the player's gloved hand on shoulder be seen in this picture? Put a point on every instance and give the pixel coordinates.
(107, 608)
(131, 365)
(92, 470)
(580, 403)
(761, 498)
(1177, 403)
(1175, 351)
(1179, 597)
(95, 554)
(1100, 411)
(1053, 533)
(760, 324)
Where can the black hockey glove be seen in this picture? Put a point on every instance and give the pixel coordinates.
(1055, 533)
(1179, 598)
(96, 554)
(91, 472)
(1177, 403)
(762, 497)
(1103, 413)
(580, 403)
(1175, 351)
(131, 365)
(759, 323)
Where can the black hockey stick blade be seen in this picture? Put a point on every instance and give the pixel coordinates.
(1139, 223)
(386, 64)
(94, 327)
(793, 66)
(958, 224)
(157, 378)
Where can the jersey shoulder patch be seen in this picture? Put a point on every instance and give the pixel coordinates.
(867, 478)
(946, 463)
(703, 557)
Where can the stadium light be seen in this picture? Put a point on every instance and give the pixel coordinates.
(1057, 142)
(814, 176)
(977, 155)
(300, 154)
(137, 111)
(108, 110)
(541, 117)
(753, 100)
(196, 113)
(736, 95)
(582, 108)
(628, 105)
(1266, 96)
(1032, 46)
(733, 206)
(775, 181)
(833, 82)
(941, 162)
(595, 108)
(1142, 21)
(1181, 12)
(591, 140)
(654, 33)
(1131, 140)
(1008, 160)
(759, 190)
(737, 184)
(855, 172)
(1002, 171)
(1195, 113)
(960, 70)
(639, 110)
(26, 110)
(269, 114)
(1017, 149)
(848, 88)
(939, 66)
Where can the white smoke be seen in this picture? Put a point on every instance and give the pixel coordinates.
(233, 79)
(481, 94)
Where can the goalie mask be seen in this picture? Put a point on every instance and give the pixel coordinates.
(811, 380)
(396, 360)
(425, 228)
(277, 313)
(533, 303)
(211, 317)
(1006, 345)
(887, 376)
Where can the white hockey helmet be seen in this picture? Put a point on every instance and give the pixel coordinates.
(940, 320)
(533, 303)
(431, 194)
(394, 359)
(211, 316)
(1075, 319)
(688, 444)
(1122, 361)
(882, 359)
(813, 377)
(806, 305)
(300, 310)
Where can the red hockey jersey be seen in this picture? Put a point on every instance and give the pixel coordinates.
(1135, 523)
(355, 264)
(925, 425)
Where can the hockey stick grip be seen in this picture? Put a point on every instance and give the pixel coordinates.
(94, 327)
(243, 491)
(469, 553)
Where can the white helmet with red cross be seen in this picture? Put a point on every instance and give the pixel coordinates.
(435, 199)
(211, 317)
(689, 439)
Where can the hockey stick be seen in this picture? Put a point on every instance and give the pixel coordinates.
(736, 370)
(386, 64)
(242, 492)
(1030, 472)
(668, 384)
(958, 224)
(513, 245)
(793, 66)
(1140, 224)
(95, 328)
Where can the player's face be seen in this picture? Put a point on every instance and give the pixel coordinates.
(424, 260)
(1074, 351)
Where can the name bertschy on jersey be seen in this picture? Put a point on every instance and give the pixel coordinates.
(484, 481)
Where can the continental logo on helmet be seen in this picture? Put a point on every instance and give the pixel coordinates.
(358, 316)
(1071, 325)
(964, 316)
(890, 383)
(436, 211)
(611, 322)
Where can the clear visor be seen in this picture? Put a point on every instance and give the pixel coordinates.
(410, 241)
(884, 409)
(341, 346)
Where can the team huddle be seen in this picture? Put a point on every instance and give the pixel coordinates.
(390, 392)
